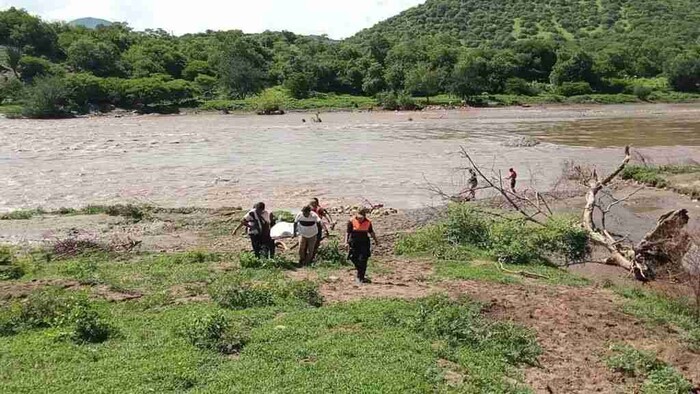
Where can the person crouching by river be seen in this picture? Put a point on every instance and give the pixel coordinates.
(258, 221)
(307, 224)
(357, 239)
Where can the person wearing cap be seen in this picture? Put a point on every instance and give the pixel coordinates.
(359, 231)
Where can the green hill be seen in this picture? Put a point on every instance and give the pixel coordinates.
(591, 22)
(90, 23)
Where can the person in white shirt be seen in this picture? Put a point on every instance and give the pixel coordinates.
(307, 225)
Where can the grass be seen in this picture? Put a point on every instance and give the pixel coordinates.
(130, 211)
(488, 271)
(366, 346)
(667, 177)
(657, 377)
(658, 309)
(10, 109)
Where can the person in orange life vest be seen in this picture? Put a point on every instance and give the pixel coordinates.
(513, 177)
(358, 232)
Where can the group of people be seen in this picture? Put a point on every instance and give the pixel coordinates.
(310, 225)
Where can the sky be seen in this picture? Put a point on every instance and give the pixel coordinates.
(335, 18)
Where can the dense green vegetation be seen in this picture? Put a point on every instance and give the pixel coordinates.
(643, 49)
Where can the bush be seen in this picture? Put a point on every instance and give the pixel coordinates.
(237, 292)
(569, 89)
(424, 240)
(394, 102)
(666, 380)
(631, 362)
(76, 245)
(8, 268)
(270, 101)
(47, 97)
(329, 254)
(11, 90)
(86, 90)
(130, 211)
(56, 308)
(519, 86)
(650, 176)
(512, 242)
(466, 226)
(215, 332)
(643, 92)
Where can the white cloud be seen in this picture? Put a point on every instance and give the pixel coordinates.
(336, 18)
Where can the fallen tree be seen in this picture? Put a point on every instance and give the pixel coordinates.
(664, 246)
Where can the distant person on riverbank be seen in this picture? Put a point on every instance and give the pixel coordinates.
(472, 184)
(307, 225)
(359, 230)
(258, 222)
(513, 177)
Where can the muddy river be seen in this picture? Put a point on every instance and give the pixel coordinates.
(217, 160)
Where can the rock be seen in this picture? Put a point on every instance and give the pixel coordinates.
(521, 142)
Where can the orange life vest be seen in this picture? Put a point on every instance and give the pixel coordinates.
(361, 227)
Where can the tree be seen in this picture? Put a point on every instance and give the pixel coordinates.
(28, 33)
(97, 57)
(154, 56)
(13, 55)
(684, 72)
(423, 80)
(574, 67)
(242, 67)
(196, 68)
(481, 71)
(31, 67)
(535, 59)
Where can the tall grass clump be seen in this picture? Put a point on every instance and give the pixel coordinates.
(329, 254)
(249, 260)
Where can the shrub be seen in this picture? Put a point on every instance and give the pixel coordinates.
(215, 332)
(666, 380)
(86, 90)
(237, 292)
(11, 90)
(520, 86)
(393, 102)
(130, 211)
(564, 237)
(642, 92)
(8, 268)
(270, 101)
(574, 89)
(511, 242)
(466, 226)
(630, 361)
(47, 97)
(647, 175)
(329, 254)
(76, 245)
(424, 240)
(89, 326)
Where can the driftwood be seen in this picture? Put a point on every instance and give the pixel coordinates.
(665, 245)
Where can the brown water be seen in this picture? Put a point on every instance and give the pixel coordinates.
(215, 160)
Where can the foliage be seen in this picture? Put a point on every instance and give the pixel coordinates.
(215, 332)
(284, 216)
(660, 176)
(31, 68)
(270, 101)
(237, 292)
(10, 90)
(241, 67)
(394, 102)
(684, 72)
(330, 254)
(508, 239)
(47, 97)
(56, 308)
(569, 89)
(659, 377)
(9, 269)
(90, 55)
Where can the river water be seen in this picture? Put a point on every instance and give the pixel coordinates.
(385, 157)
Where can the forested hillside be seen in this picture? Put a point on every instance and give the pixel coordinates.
(466, 48)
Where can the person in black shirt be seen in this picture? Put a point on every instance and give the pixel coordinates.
(359, 230)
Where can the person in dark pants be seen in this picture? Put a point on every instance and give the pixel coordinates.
(358, 232)
(324, 215)
(258, 221)
(513, 178)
